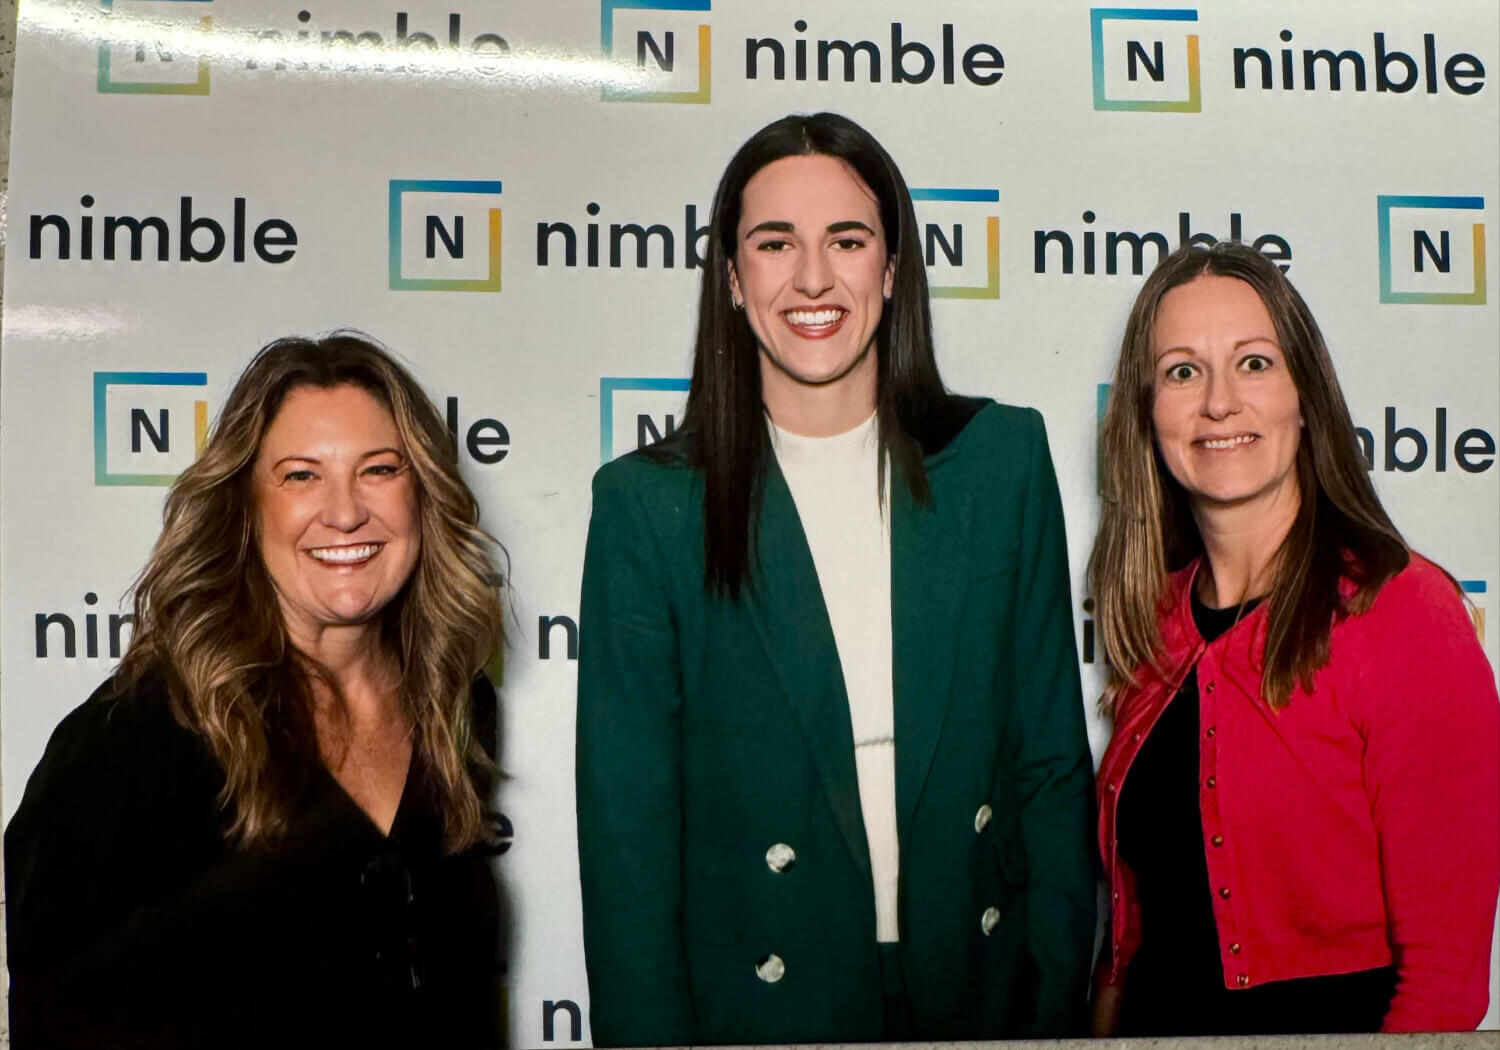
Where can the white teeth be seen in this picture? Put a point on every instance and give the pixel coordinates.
(1230, 442)
(345, 554)
(812, 318)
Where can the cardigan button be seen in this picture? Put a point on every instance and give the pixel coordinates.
(1234, 949)
(982, 818)
(1209, 731)
(1242, 980)
(770, 968)
(1210, 687)
(1110, 787)
(1217, 840)
(989, 920)
(1224, 892)
(1213, 781)
(780, 857)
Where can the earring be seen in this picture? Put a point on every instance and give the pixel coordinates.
(738, 305)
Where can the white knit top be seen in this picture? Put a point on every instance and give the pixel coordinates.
(834, 486)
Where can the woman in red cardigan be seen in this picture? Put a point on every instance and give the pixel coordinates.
(1300, 806)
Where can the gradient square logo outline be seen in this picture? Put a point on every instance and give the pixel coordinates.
(1099, 15)
(611, 385)
(489, 283)
(1388, 294)
(102, 382)
(702, 95)
(1473, 589)
(991, 288)
(110, 86)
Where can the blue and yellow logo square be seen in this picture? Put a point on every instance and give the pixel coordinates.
(946, 240)
(1420, 250)
(133, 431)
(433, 242)
(653, 56)
(1159, 75)
(150, 56)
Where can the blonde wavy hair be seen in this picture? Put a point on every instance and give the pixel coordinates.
(207, 616)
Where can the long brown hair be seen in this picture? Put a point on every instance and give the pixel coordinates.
(1146, 528)
(723, 432)
(206, 614)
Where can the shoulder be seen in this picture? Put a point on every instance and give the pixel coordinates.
(642, 484)
(1000, 445)
(1420, 592)
(121, 743)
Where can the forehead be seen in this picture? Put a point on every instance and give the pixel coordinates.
(1208, 308)
(330, 416)
(818, 188)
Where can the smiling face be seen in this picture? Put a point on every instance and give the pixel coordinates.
(336, 509)
(812, 271)
(1226, 413)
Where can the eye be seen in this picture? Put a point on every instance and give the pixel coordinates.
(298, 475)
(1255, 363)
(848, 244)
(385, 470)
(773, 246)
(1181, 372)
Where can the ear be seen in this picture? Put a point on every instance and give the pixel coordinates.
(734, 285)
(890, 277)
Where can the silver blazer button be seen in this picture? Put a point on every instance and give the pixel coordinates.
(982, 818)
(780, 857)
(989, 920)
(770, 968)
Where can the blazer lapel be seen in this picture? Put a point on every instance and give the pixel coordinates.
(786, 605)
(929, 566)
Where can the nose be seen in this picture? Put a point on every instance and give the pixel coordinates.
(814, 276)
(1221, 397)
(344, 508)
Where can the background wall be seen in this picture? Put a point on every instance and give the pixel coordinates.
(511, 197)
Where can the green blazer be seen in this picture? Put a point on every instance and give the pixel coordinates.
(712, 733)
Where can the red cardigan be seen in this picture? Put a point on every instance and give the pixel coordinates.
(1357, 827)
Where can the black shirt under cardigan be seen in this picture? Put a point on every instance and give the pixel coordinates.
(1175, 984)
(132, 923)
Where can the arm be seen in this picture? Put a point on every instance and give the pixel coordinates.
(1432, 770)
(630, 781)
(119, 889)
(1054, 771)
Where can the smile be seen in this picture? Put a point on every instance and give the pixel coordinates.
(1224, 443)
(816, 323)
(346, 555)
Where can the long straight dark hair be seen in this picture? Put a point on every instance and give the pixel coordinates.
(1146, 527)
(723, 432)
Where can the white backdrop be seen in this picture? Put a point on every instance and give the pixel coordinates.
(463, 196)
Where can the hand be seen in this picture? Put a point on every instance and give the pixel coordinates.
(1106, 1010)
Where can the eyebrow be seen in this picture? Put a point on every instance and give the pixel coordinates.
(1237, 345)
(782, 226)
(318, 462)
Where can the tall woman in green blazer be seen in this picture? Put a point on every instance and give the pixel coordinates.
(833, 783)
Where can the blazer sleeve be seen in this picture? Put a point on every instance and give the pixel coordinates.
(1054, 773)
(629, 780)
(1432, 770)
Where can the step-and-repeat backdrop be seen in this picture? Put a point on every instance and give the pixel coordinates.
(514, 197)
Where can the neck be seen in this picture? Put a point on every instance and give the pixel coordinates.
(353, 657)
(1240, 546)
(819, 410)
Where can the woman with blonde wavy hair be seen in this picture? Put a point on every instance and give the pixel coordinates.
(1300, 804)
(269, 824)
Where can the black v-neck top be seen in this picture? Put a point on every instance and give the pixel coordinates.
(1175, 984)
(132, 923)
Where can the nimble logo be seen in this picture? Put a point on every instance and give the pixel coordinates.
(141, 422)
(944, 215)
(1145, 59)
(1431, 250)
(1475, 591)
(643, 36)
(444, 235)
(150, 59)
(636, 412)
